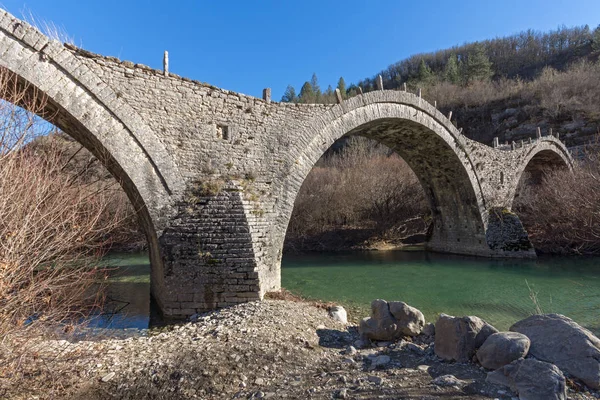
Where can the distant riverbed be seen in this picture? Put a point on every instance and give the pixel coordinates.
(498, 291)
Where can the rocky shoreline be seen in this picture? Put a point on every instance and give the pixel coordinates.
(269, 349)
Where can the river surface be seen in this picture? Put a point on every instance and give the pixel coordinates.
(498, 291)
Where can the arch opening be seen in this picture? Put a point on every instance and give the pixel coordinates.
(539, 199)
(359, 195)
(456, 212)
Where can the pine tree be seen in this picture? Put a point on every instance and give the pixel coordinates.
(314, 82)
(478, 66)
(596, 39)
(452, 70)
(307, 94)
(425, 76)
(328, 97)
(289, 96)
(342, 86)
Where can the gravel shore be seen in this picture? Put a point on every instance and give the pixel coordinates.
(270, 349)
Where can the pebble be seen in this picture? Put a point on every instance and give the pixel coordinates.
(448, 380)
(375, 379)
(108, 377)
(380, 361)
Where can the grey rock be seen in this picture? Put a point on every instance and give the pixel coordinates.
(531, 379)
(341, 394)
(375, 379)
(561, 341)
(448, 380)
(381, 325)
(380, 361)
(410, 320)
(390, 321)
(338, 313)
(458, 338)
(429, 329)
(502, 348)
(414, 348)
(108, 377)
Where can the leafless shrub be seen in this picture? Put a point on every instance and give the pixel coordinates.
(478, 93)
(363, 186)
(569, 94)
(53, 228)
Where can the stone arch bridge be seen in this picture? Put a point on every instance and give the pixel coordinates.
(214, 174)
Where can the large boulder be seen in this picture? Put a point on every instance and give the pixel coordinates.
(410, 320)
(502, 348)
(531, 379)
(390, 321)
(564, 343)
(458, 338)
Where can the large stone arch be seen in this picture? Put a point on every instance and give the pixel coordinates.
(547, 154)
(427, 141)
(83, 106)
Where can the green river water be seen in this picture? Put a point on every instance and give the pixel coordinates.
(495, 290)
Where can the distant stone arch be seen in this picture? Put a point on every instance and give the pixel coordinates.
(548, 154)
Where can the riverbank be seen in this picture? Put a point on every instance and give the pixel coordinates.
(270, 349)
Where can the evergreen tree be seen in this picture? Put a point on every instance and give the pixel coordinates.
(452, 70)
(329, 96)
(478, 66)
(289, 96)
(352, 90)
(314, 82)
(425, 76)
(596, 39)
(342, 86)
(307, 94)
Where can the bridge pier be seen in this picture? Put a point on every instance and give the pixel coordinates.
(214, 252)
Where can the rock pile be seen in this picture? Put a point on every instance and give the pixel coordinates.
(531, 359)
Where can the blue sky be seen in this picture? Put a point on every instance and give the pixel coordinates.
(248, 45)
